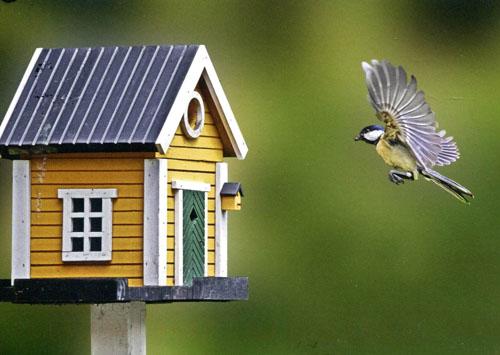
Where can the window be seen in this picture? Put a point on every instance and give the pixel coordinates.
(87, 224)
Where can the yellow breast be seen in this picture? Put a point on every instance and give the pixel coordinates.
(397, 156)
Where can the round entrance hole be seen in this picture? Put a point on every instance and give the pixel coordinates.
(194, 117)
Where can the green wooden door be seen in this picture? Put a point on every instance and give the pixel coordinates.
(194, 235)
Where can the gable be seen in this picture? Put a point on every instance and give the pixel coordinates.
(209, 141)
(202, 72)
(110, 98)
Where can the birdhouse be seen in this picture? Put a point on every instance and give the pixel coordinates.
(119, 177)
(231, 194)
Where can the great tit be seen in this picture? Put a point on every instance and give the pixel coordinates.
(409, 141)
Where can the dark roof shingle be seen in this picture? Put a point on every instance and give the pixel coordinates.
(103, 95)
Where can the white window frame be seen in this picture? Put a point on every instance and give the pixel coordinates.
(107, 224)
(179, 186)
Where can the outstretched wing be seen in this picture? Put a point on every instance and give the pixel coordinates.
(405, 113)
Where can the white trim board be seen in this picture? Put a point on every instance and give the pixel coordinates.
(155, 222)
(202, 66)
(221, 177)
(190, 185)
(21, 219)
(178, 245)
(99, 193)
(20, 89)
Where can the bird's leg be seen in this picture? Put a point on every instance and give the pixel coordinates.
(398, 177)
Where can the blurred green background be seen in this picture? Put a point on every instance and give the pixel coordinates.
(339, 259)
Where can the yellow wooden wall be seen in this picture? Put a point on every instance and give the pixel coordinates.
(188, 159)
(193, 160)
(123, 171)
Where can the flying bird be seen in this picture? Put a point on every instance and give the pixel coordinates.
(408, 141)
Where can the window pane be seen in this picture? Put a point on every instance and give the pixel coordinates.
(77, 204)
(96, 224)
(95, 205)
(77, 224)
(95, 244)
(76, 244)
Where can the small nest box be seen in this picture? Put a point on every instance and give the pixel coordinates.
(231, 195)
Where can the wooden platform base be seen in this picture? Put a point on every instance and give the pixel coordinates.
(112, 290)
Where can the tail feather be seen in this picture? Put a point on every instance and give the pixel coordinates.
(453, 187)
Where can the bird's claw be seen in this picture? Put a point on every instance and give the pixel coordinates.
(396, 179)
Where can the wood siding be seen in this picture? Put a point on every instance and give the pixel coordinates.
(188, 159)
(193, 160)
(123, 171)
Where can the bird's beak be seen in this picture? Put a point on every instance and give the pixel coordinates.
(357, 138)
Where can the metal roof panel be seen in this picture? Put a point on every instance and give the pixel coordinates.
(231, 189)
(143, 96)
(92, 73)
(103, 95)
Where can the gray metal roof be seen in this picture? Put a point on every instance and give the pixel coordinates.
(231, 189)
(103, 95)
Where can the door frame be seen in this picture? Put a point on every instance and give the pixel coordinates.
(179, 186)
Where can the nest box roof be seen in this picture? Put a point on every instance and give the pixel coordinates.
(109, 97)
(231, 189)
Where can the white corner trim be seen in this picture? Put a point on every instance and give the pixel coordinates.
(21, 219)
(221, 177)
(202, 65)
(190, 185)
(179, 244)
(20, 89)
(155, 222)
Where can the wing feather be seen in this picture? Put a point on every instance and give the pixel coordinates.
(402, 87)
(391, 73)
(402, 106)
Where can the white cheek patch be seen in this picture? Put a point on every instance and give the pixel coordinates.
(373, 135)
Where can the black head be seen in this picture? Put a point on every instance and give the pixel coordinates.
(370, 134)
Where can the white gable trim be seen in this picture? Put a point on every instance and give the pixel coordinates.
(224, 109)
(202, 65)
(20, 89)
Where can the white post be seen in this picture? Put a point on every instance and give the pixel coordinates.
(118, 328)
(21, 207)
(221, 176)
(155, 222)
(178, 245)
